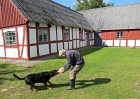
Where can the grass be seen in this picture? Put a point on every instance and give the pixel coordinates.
(109, 73)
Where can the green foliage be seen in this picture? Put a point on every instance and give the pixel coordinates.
(90, 4)
(109, 73)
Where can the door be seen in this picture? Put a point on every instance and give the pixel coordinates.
(87, 39)
(98, 39)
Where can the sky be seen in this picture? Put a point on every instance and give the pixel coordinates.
(70, 3)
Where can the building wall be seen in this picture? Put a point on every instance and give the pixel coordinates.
(56, 40)
(131, 38)
(89, 38)
(2, 52)
(27, 45)
(9, 14)
(17, 51)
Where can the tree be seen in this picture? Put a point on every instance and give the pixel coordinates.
(90, 4)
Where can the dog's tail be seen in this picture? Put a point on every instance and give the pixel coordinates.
(18, 77)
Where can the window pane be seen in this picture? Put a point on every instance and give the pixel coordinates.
(14, 38)
(119, 34)
(45, 37)
(40, 39)
(14, 42)
(90, 35)
(10, 38)
(7, 38)
(6, 34)
(66, 35)
(42, 35)
(10, 34)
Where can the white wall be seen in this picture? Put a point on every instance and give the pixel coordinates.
(43, 49)
(1, 38)
(20, 35)
(32, 36)
(66, 46)
(108, 42)
(84, 43)
(116, 42)
(53, 33)
(77, 33)
(59, 31)
(33, 51)
(24, 50)
(74, 43)
(43, 25)
(60, 46)
(33, 24)
(74, 33)
(131, 43)
(92, 42)
(70, 33)
(2, 53)
(78, 44)
(137, 42)
(70, 45)
(12, 52)
(53, 48)
(123, 43)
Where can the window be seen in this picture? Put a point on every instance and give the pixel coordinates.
(10, 38)
(119, 34)
(90, 35)
(66, 35)
(81, 34)
(42, 35)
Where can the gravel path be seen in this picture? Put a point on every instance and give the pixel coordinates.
(27, 63)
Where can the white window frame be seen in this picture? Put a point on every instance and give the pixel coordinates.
(120, 34)
(66, 35)
(10, 38)
(42, 35)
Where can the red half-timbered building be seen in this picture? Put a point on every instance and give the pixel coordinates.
(115, 25)
(31, 29)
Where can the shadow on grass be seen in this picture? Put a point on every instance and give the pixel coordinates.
(82, 83)
(42, 87)
(84, 51)
(6, 72)
(88, 83)
(2, 80)
(88, 51)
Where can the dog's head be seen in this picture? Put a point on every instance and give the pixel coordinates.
(53, 73)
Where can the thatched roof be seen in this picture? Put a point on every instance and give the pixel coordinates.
(47, 11)
(114, 17)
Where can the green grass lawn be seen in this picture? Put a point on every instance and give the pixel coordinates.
(109, 73)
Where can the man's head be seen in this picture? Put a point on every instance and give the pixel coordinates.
(62, 53)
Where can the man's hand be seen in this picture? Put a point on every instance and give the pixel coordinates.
(61, 70)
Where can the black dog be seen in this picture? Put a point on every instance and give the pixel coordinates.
(43, 77)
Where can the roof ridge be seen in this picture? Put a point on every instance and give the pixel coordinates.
(110, 7)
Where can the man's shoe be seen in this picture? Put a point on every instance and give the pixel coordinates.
(72, 85)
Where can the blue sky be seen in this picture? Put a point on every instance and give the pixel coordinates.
(70, 3)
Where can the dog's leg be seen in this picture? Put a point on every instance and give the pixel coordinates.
(47, 86)
(32, 87)
(51, 83)
(50, 88)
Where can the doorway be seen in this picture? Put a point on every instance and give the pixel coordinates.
(98, 39)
